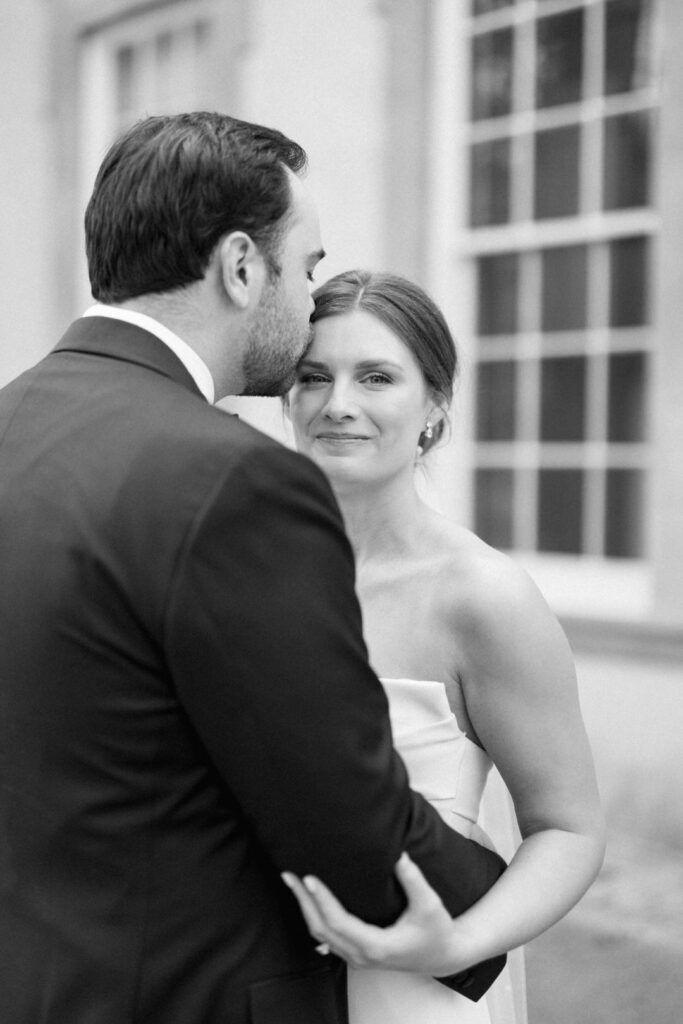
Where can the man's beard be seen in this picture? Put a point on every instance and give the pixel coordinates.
(277, 341)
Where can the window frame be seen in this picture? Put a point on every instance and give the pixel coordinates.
(585, 583)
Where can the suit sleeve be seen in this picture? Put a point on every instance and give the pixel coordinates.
(265, 645)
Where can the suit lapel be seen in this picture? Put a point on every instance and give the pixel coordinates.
(116, 339)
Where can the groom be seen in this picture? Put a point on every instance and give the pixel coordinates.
(186, 706)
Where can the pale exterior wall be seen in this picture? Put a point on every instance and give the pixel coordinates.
(27, 201)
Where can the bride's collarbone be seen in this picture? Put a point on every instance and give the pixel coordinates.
(375, 576)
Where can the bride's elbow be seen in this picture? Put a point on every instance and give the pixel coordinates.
(598, 841)
(592, 847)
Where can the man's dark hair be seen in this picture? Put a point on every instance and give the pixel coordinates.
(171, 187)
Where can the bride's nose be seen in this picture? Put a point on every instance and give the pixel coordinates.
(340, 403)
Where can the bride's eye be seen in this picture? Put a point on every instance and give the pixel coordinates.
(377, 378)
(311, 379)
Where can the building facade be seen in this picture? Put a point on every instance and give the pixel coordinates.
(522, 160)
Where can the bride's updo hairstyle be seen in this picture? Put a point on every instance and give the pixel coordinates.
(411, 315)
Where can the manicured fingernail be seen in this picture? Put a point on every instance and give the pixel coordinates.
(287, 879)
(310, 884)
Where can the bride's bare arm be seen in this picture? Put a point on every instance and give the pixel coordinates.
(519, 684)
(520, 688)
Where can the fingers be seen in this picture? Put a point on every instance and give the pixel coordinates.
(347, 935)
(307, 906)
(415, 942)
(329, 923)
(332, 913)
(419, 893)
(306, 895)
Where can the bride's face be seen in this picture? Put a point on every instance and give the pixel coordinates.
(360, 400)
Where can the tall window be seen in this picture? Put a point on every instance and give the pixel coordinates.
(562, 116)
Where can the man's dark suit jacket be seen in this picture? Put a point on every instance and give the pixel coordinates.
(186, 709)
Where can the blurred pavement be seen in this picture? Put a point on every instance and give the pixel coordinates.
(617, 958)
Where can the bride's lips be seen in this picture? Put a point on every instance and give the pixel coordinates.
(341, 439)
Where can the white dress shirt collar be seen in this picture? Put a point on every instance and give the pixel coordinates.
(193, 363)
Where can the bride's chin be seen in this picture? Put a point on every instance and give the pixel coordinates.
(346, 472)
(338, 470)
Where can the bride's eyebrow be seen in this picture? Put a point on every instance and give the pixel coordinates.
(365, 364)
(375, 364)
(311, 364)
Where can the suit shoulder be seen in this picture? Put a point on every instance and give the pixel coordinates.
(212, 443)
(261, 451)
(266, 464)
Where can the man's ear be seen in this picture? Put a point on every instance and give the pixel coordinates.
(243, 269)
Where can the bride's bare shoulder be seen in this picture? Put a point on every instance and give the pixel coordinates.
(483, 583)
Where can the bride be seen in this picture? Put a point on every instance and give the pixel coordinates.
(476, 668)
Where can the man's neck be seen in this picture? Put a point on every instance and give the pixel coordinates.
(171, 310)
(188, 313)
(188, 356)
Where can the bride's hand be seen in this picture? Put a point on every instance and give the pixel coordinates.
(423, 939)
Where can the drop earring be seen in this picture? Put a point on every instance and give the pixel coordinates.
(426, 435)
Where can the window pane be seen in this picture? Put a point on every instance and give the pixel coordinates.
(490, 178)
(492, 74)
(624, 514)
(559, 63)
(497, 313)
(564, 288)
(557, 172)
(628, 282)
(563, 389)
(627, 45)
(627, 397)
(627, 161)
(560, 510)
(496, 401)
(482, 6)
(493, 512)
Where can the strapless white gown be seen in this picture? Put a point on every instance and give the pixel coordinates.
(451, 772)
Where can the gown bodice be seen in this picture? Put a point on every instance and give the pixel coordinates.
(450, 770)
(443, 764)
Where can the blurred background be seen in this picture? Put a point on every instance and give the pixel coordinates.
(523, 161)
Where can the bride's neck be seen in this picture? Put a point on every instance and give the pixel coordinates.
(382, 521)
